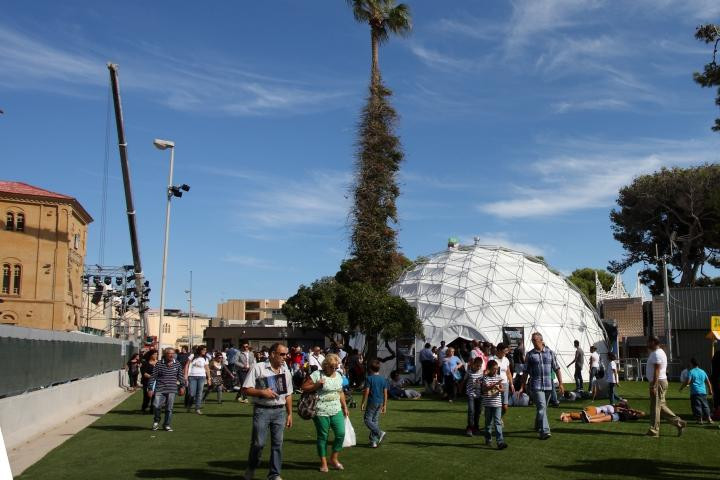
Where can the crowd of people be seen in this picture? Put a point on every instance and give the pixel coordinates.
(491, 377)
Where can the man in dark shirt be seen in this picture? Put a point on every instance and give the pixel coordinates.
(166, 377)
(578, 361)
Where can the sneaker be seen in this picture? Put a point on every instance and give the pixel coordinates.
(545, 436)
(168, 428)
(249, 474)
(502, 446)
(681, 427)
(652, 434)
(476, 431)
(244, 400)
(198, 411)
(585, 417)
(700, 422)
(469, 432)
(373, 445)
(155, 426)
(382, 435)
(488, 442)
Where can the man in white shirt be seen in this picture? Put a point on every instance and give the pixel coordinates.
(656, 373)
(594, 366)
(315, 359)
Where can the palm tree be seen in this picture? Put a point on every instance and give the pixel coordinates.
(384, 18)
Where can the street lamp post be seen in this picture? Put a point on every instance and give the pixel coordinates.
(190, 315)
(172, 191)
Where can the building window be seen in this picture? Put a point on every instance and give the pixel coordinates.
(76, 241)
(20, 222)
(10, 221)
(6, 278)
(17, 276)
(166, 328)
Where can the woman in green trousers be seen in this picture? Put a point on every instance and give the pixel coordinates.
(331, 410)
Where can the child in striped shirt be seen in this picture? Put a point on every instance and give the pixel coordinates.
(473, 382)
(492, 391)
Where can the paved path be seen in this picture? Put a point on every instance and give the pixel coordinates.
(35, 449)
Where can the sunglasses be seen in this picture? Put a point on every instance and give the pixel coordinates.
(285, 354)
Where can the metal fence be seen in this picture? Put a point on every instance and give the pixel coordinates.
(634, 369)
(35, 359)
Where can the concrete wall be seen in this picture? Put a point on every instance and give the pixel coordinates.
(25, 416)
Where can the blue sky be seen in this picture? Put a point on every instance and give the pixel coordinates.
(520, 120)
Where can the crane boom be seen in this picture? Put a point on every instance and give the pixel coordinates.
(129, 205)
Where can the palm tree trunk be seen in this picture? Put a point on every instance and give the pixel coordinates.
(375, 68)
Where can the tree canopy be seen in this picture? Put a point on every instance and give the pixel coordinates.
(676, 210)
(584, 280)
(710, 77)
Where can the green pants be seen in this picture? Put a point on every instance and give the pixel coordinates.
(323, 426)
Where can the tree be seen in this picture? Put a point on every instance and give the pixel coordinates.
(373, 238)
(584, 280)
(317, 307)
(711, 75)
(384, 17)
(673, 211)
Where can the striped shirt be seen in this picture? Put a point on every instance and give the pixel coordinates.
(492, 397)
(473, 383)
(167, 376)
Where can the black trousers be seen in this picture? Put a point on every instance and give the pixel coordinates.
(147, 401)
(428, 371)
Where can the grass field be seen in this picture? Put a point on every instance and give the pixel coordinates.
(425, 440)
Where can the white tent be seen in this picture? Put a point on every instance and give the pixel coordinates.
(474, 292)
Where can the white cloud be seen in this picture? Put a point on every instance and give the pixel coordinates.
(597, 104)
(442, 61)
(592, 174)
(249, 262)
(182, 84)
(321, 198)
(531, 18)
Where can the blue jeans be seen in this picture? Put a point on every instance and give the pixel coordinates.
(611, 393)
(195, 386)
(700, 407)
(578, 379)
(541, 397)
(473, 412)
(274, 419)
(372, 421)
(593, 376)
(159, 400)
(493, 416)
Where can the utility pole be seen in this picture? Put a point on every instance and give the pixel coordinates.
(190, 315)
(668, 328)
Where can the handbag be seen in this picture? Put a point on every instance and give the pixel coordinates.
(307, 406)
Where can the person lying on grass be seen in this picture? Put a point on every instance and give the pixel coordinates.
(620, 412)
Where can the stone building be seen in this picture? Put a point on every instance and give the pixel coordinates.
(250, 311)
(43, 241)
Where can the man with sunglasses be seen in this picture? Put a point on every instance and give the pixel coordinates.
(270, 386)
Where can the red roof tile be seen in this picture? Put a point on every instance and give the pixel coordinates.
(25, 189)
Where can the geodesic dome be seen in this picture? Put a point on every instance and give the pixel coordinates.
(473, 292)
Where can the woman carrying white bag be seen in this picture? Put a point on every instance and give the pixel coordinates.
(331, 411)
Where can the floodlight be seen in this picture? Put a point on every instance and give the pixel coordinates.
(163, 144)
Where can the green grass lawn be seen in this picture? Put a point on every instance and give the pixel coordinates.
(425, 440)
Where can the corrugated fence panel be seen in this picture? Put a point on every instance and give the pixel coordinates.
(691, 308)
(32, 363)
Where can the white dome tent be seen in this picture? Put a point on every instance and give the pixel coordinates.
(474, 292)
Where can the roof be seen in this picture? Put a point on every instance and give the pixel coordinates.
(21, 189)
(25, 189)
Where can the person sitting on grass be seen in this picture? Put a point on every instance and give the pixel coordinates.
(492, 390)
(166, 377)
(620, 412)
(397, 390)
(374, 402)
(698, 380)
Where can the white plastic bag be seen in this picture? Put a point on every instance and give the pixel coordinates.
(350, 439)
